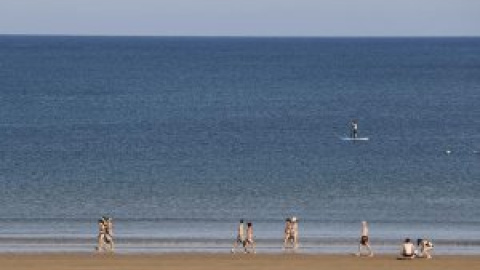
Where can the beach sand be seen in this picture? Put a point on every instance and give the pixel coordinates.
(228, 261)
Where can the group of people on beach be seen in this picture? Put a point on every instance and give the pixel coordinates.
(248, 243)
(408, 250)
(244, 238)
(423, 250)
(105, 234)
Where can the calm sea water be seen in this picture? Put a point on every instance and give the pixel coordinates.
(178, 138)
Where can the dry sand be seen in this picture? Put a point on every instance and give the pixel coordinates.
(228, 261)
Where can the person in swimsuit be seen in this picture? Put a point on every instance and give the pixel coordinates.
(101, 235)
(249, 242)
(240, 236)
(109, 232)
(287, 232)
(295, 232)
(364, 241)
(291, 232)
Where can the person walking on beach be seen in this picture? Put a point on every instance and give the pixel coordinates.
(105, 234)
(240, 236)
(101, 235)
(288, 233)
(291, 233)
(109, 232)
(295, 232)
(249, 242)
(364, 241)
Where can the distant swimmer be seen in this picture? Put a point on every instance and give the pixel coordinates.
(354, 126)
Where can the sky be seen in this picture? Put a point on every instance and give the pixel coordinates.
(241, 17)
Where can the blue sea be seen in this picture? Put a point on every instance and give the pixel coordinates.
(178, 138)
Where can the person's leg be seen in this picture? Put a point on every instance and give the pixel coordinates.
(112, 244)
(235, 245)
(369, 248)
(101, 240)
(360, 247)
(427, 252)
(295, 241)
(285, 240)
(107, 243)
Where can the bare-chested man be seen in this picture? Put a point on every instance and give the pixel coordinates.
(240, 236)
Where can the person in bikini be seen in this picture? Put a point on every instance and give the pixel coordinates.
(291, 233)
(249, 242)
(105, 235)
(288, 233)
(109, 232)
(101, 235)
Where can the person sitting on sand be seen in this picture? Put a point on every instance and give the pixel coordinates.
(408, 249)
(364, 241)
(240, 236)
(424, 248)
(249, 242)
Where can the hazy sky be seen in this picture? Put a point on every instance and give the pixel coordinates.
(242, 17)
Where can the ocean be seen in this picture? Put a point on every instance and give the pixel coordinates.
(177, 138)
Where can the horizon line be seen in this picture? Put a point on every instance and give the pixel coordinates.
(244, 36)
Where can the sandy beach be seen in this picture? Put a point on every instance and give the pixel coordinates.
(228, 261)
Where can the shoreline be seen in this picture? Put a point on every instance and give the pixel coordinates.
(182, 261)
(219, 248)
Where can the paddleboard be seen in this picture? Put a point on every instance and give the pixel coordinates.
(355, 139)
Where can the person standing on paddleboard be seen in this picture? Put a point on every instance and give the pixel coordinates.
(354, 125)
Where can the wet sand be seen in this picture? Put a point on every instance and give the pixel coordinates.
(228, 261)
